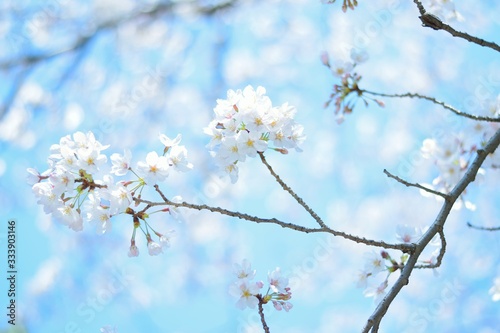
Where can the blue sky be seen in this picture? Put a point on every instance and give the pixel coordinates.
(79, 282)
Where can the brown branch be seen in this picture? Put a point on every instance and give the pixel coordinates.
(440, 256)
(431, 21)
(408, 184)
(435, 101)
(406, 248)
(261, 313)
(436, 227)
(292, 193)
(470, 225)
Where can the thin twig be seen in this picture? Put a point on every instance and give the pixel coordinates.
(435, 101)
(292, 193)
(470, 225)
(261, 313)
(436, 227)
(440, 256)
(431, 21)
(404, 182)
(406, 248)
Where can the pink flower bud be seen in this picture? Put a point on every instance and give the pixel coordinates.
(277, 306)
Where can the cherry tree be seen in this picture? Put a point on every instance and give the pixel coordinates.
(102, 177)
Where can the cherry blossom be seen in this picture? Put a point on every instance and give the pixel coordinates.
(376, 291)
(121, 163)
(245, 291)
(244, 271)
(245, 124)
(374, 263)
(277, 282)
(154, 248)
(155, 169)
(407, 234)
(134, 250)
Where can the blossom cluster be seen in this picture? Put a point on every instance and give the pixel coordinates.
(452, 154)
(346, 94)
(248, 292)
(79, 184)
(369, 278)
(246, 123)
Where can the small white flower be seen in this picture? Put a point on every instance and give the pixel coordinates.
(154, 248)
(244, 271)
(277, 282)
(155, 169)
(170, 142)
(178, 158)
(121, 163)
(374, 263)
(407, 234)
(245, 291)
(377, 292)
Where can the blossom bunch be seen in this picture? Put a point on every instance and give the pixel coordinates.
(382, 262)
(346, 94)
(248, 292)
(246, 123)
(80, 186)
(451, 157)
(452, 154)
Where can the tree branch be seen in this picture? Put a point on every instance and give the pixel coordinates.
(435, 101)
(408, 184)
(406, 248)
(261, 314)
(292, 193)
(470, 225)
(440, 256)
(431, 21)
(436, 227)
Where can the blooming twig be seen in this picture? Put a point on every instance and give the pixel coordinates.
(431, 21)
(261, 314)
(373, 322)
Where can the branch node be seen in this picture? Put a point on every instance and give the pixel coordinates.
(431, 21)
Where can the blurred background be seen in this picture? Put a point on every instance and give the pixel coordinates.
(127, 70)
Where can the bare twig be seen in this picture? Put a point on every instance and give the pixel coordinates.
(435, 101)
(261, 314)
(292, 193)
(440, 256)
(406, 248)
(404, 182)
(436, 227)
(431, 21)
(470, 225)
